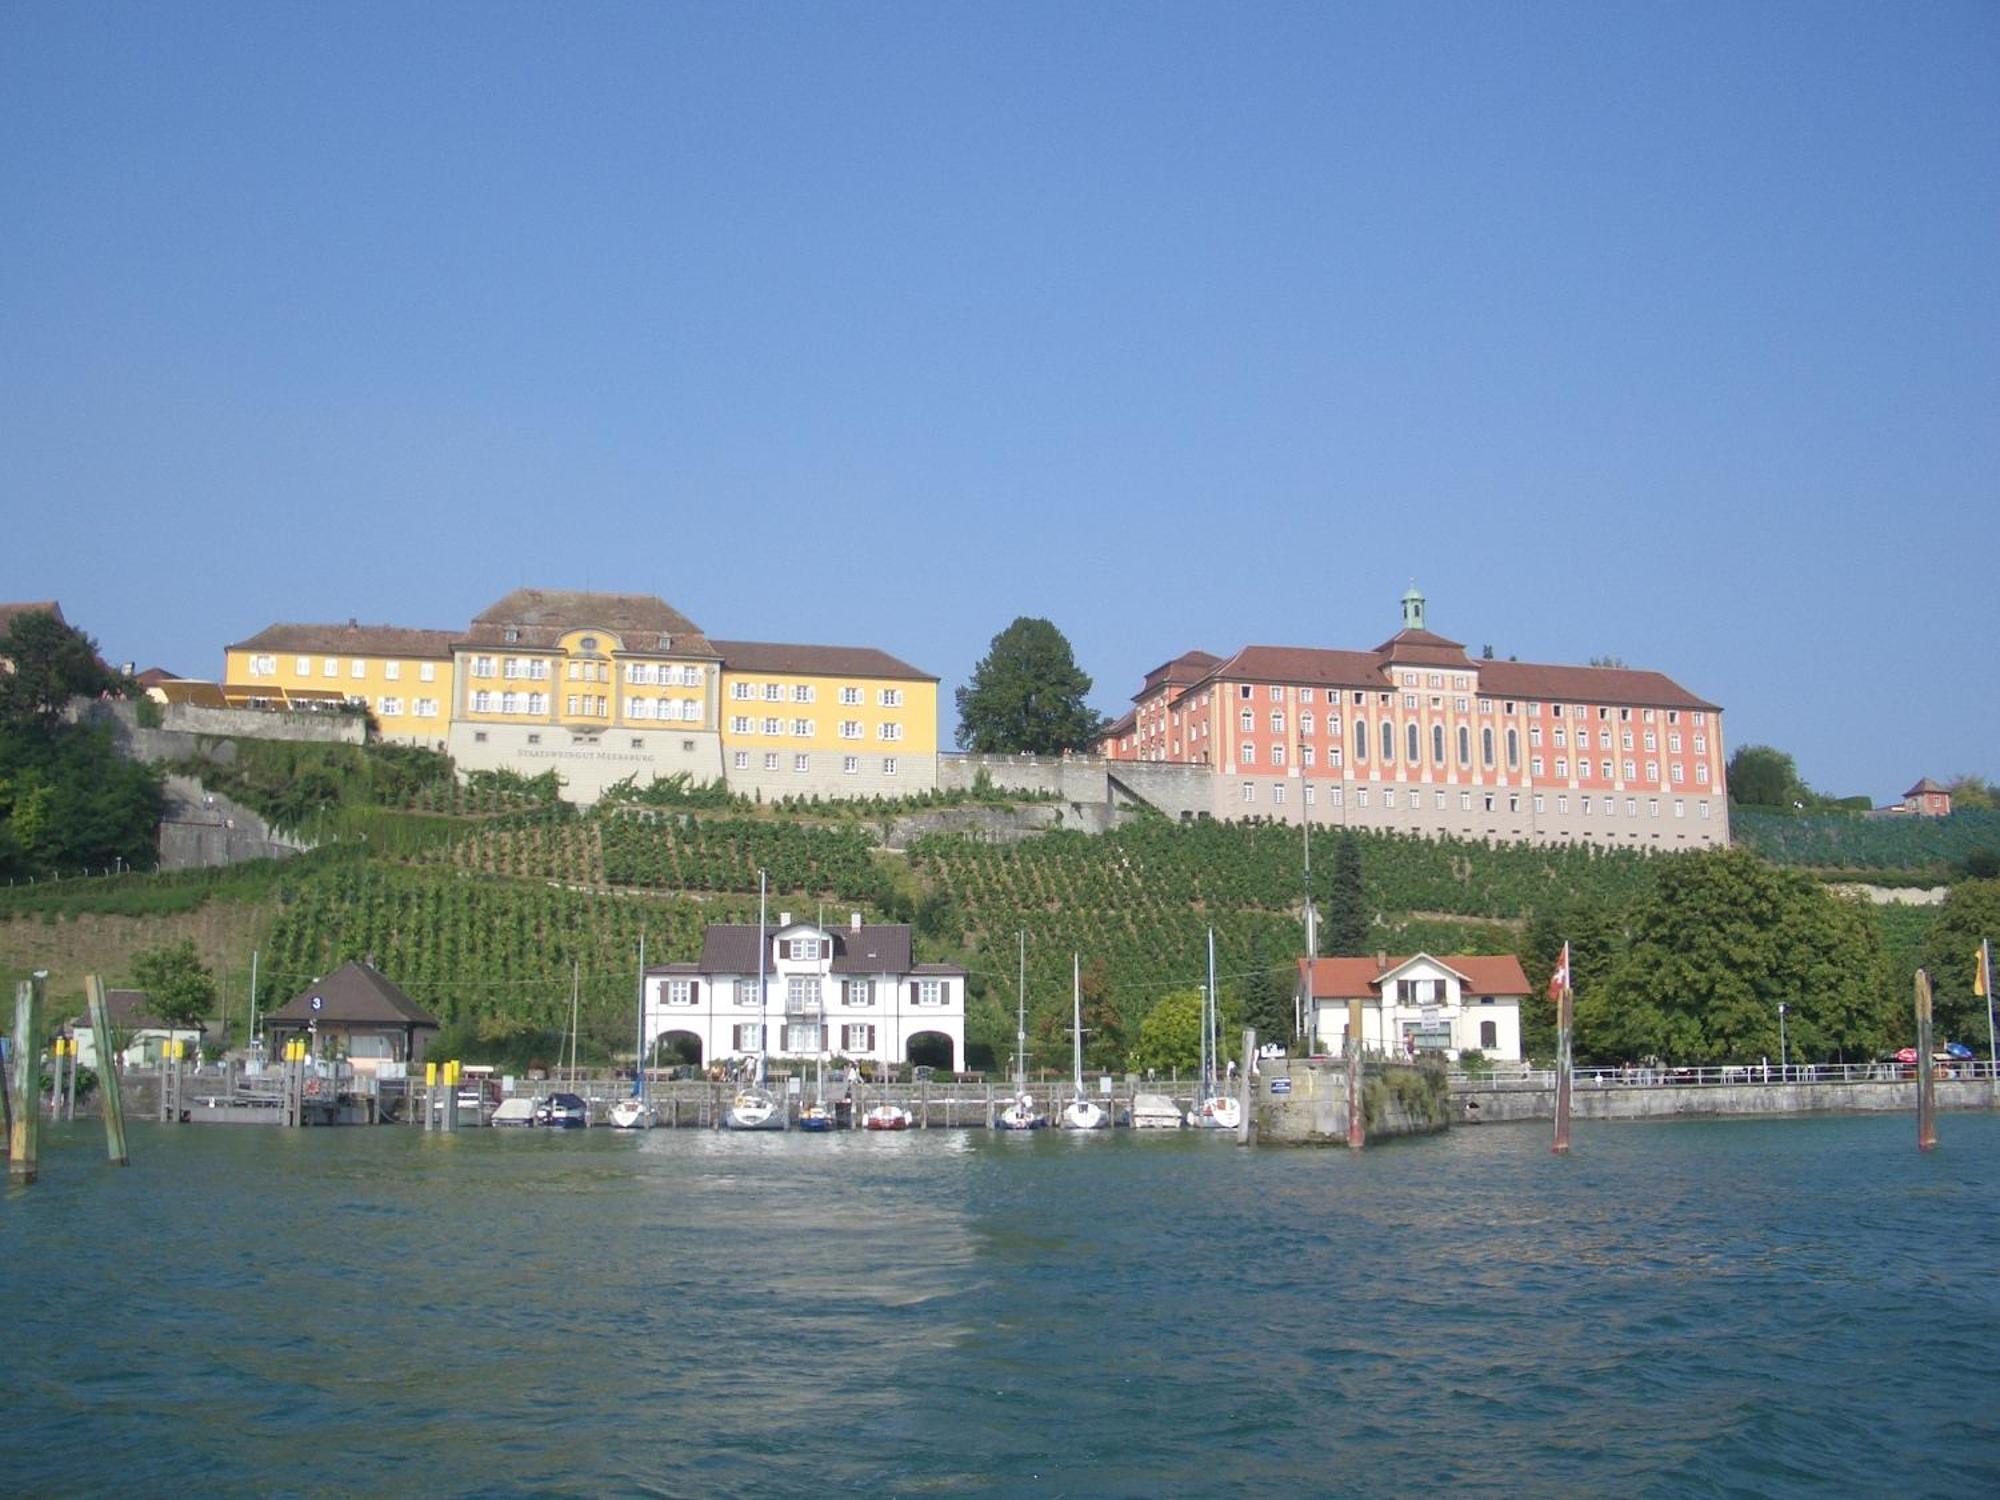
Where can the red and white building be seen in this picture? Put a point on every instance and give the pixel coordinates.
(1416, 1003)
(1417, 736)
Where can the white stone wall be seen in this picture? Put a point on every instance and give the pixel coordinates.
(588, 765)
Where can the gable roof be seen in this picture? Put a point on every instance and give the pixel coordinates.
(1362, 978)
(542, 617)
(129, 1010)
(354, 994)
(815, 661)
(351, 639)
(884, 948)
(1927, 787)
(1367, 670)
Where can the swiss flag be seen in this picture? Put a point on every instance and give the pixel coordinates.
(1559, 981)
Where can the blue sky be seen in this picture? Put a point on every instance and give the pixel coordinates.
(1661, 331)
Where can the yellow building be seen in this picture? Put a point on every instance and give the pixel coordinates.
(831, 721)
(596, 687)
(601, 687)
(402, 677)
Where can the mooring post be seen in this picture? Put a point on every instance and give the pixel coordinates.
(1246, 1123)
(108, 1081)
(1564, 1022)
(68, 1076)
(24, 1138)
(1926, 1069)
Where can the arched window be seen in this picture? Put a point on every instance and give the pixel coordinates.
(1464, 745)
(1513, 749)
(1437, 743)
(1388, 743)
(1486, 744)
(1360, 740)
(1414, 742)
(1489, 1033)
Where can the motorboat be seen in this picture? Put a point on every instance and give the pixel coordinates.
(563, 1112)
(816, 1118)
(886, 1117)
(1155, 1112)
(518, 1111)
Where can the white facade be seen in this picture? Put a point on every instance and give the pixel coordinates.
(1420, 1004)
(821, 999)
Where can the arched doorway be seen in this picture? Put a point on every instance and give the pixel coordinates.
(675, 1049)
(931, 1049)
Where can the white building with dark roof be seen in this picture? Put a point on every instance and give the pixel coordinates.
(1416, 736)
(852, 992)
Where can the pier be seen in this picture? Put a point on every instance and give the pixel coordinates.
(1504, 1095)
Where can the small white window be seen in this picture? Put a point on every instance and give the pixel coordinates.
(888, 765)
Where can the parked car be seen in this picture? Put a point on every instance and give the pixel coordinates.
(563, 1112)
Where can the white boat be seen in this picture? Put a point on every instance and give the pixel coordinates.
(1155, 1112)
(1212, 1109)
(519, 1110)
(886, 1117)
(1080, 1113)
(1020, 1113)
(637, 1112)
(634, 1114)
(753, 1108)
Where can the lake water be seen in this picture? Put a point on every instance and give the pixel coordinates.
(1742, 1308)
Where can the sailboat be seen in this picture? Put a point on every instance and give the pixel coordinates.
(637, 1112)
(1213, 1109)
(817, 1116)
(1020, 1113)
(753, 1108)
(1080, 1113)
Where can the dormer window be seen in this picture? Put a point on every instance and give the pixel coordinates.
(589, 643)
(513, 636)
(804, 949)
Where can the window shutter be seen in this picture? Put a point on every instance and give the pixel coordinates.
(823, 1033)
(913, 992)
(694, 991)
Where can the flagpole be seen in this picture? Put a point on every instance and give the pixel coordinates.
(1565, 1012)
(1986, 985)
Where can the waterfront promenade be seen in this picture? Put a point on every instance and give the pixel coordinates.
(1505, 1095)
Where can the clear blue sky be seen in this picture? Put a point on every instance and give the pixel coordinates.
(1662, 331)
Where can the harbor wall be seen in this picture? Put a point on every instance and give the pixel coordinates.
(1505, 1104)
(1301, 1103)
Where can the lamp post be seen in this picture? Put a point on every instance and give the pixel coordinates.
(1783, 1069)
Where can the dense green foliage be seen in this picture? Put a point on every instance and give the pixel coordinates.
(1849, 841)
(1347, 916)
(297, 786)
(1970, 912)
(70, 804)
(1724, 940)
(49, 664)
(179, 988)
(1027, 694)
(472, 950)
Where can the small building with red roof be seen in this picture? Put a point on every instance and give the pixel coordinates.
(1415, 1003)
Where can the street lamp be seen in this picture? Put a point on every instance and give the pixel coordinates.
(1782, 1069)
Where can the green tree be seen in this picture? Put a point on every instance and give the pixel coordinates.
(52, 663)
(1266, 1005)
(1722, 941)
(1347, 916)
(1595, 932)
(1170, 1036)
(1760, 776)
(179, 988)
(1971, 911)
(1027, 694)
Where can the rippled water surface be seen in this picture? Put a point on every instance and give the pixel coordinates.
(1753, 1308)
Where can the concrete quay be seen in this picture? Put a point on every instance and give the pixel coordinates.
(1715, 1093)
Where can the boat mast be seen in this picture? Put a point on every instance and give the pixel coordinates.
(1021, 1021)
(761, 1006)
(575, 990)
(1207, 1027)
(1076, 1003)
(645, 1081)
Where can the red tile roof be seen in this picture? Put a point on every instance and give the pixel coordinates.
(1360, 978)
(10, 612)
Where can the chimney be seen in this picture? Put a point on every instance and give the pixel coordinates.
(854, 921)
(1381, 959)
(784, 919)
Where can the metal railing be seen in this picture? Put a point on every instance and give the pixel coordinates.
(1504, 1076)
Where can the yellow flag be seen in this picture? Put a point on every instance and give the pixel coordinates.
(1979, 970)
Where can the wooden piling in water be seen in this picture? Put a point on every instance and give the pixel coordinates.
(1926, 1068)
(1246, 1121)
(108, 1085)
(24, 1133)
(1565, 1020)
